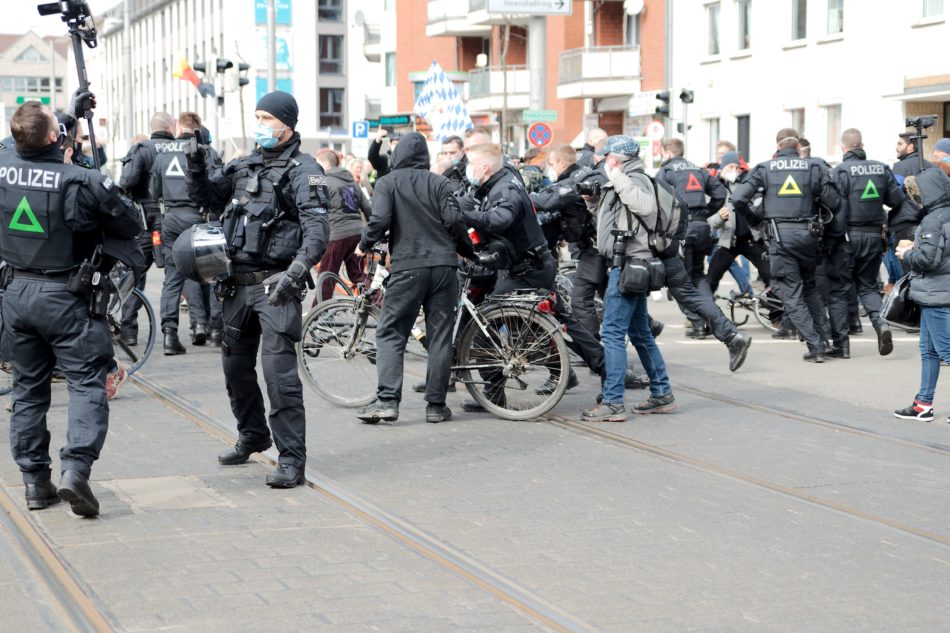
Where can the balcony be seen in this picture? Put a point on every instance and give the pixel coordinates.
(478, 14)
(450, 17)
(371, 42)
(602, 71)
(486, 88)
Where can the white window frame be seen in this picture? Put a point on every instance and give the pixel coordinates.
(717, 7)
(828, 17)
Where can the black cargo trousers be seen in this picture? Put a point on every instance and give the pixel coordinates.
(695, 299)
(130, 309)
(435, 289)
(252, 324)
(175, 221)
(46, 326)
(793, 257)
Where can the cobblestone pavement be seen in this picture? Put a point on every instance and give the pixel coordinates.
(617, 536)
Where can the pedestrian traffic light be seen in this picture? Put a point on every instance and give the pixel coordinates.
(664, 108)
(223, 64)
(679, 128)
(686, 96)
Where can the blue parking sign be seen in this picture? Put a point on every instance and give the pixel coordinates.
(360, 129)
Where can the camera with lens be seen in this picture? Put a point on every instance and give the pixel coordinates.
(71, 9)
(921, 122)
(590, 188)
(620, 245)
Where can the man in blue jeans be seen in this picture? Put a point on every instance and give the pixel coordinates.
(628, 202)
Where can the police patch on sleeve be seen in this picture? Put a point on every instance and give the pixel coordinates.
(317, 187)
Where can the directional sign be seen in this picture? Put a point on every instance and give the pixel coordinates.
(360, 129)
(655, 130)
(535, 116)
(540, 134)
(531, 7)
(21, 100)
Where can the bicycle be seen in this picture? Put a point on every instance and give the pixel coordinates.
(766, 308)
(509, 344)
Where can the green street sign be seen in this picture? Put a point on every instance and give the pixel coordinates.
(21, 100)
(539, 116)
(395, 120)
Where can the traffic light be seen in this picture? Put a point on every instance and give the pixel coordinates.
(223, 65)
(200, 67)
(242, 69)
(664, 108)
(679, 128)
(686, 96)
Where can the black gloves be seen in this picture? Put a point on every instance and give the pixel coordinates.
(82, 101)
(288, 285)
(194, 154)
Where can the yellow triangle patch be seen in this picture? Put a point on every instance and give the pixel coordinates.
(790, 188)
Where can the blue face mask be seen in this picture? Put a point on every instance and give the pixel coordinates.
(456, 160)
(472, 178)
(264, 135)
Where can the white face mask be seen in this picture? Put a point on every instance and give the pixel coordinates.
(730, 176)
(551, 174)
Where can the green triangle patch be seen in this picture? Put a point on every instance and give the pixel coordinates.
(17, 224)
(870, 191)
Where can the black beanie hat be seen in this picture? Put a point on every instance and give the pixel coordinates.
(282, 105)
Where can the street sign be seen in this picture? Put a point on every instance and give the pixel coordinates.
(538, 116)
(21, 100)
(395, 120)
(531, 7)
(360, 129)
(655, 130)
(642, 103)
(540, 134)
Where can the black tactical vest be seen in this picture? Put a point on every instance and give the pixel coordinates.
(689, 181)
(789, 189)
(868, 181)
(261, 228)
(170, 163)
(33, 209)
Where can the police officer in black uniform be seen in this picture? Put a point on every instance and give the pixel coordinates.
(505, 215)
(792, 188)
(704, 195)
(136, 174)
(865, 187)
(167, 186)
(277, 228)
(54, 216)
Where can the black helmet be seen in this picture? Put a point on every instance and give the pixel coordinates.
(201, 253)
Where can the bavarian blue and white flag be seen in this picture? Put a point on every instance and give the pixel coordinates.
(441, 105)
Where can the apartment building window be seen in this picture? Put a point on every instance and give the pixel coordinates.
(330, 10)
(835, 16)
(798, 119)
(833, 118)
(28, 85)
(742, 135)
(933, 8)
(331, 54)
(712, 13)
(631, 36)
(712, 126)
(799, 19)
(331, 107)
(744, 9)
(390, 70)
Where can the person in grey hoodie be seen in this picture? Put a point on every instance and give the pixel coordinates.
(628, 202)
(929, 259)
(349, 210)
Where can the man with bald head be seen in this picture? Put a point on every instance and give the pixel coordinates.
(136, 173)
(855, 237)
(585, 157)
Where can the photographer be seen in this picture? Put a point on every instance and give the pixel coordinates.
(928, 257)
(628, 193)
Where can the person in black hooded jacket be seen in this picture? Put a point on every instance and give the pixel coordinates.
(426, 234)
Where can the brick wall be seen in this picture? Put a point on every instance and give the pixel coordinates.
(415, 51)
(608, 23)
(564, 33)
(653, 45)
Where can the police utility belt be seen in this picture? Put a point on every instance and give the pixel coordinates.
(535, 259)
(86, 282)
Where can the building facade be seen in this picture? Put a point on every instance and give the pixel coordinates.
(29, 65)
(319, 52)
(820, 66)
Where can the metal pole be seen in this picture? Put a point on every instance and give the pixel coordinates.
(537, 62)
(685, 130)
(127, 123)
(506, 37)
(271, 46)
(52, 75)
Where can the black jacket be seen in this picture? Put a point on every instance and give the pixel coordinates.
(380, 162)
(903, 219)
(137, 170)
(561, 210)
(419, 210)
(505, 211)
(302, 193)
(585, 157)
(456, 173)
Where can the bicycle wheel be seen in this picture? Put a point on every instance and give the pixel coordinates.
(506, 358)
(338, 288)
(132, 358)
(337, 352)
(768, 312)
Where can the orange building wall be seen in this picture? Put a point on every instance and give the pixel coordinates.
(653, 46)
(564, 33)
(415, 51)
